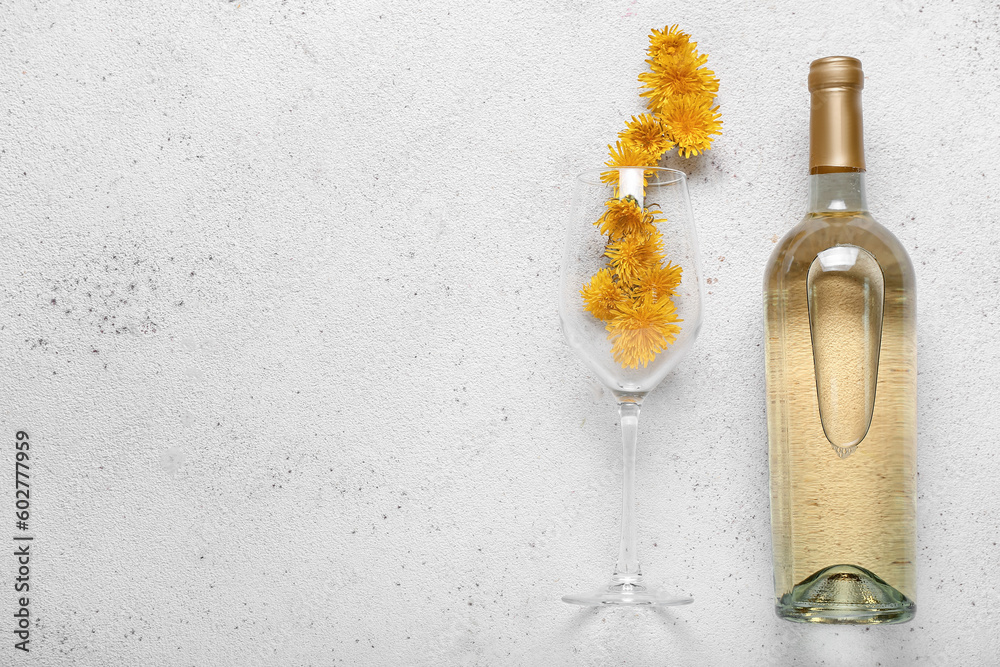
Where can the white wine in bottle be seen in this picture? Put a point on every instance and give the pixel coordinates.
(839, 320)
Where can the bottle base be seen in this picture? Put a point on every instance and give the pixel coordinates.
(845, 594)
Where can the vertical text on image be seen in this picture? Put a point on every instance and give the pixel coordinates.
(22, 543)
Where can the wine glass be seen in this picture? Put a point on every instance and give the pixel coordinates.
(592, 243)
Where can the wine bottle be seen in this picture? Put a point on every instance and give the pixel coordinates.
(839, 324)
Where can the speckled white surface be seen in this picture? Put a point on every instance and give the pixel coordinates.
(277, 306)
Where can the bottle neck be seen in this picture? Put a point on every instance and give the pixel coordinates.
(836, 141)
(837, 192)
(836, 135)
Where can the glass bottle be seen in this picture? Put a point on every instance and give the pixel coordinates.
(839, 320)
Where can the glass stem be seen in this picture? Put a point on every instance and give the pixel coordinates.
(627, 569)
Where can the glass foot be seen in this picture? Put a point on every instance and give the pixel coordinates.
(625, 594)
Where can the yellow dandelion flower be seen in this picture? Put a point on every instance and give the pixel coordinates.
(641, 330)
(646, 132)
(624, 217)
(658, 282)
(691, 122)
(668, 41)
(626, 154)
(601, 296)
(631, 255)
(676, 75)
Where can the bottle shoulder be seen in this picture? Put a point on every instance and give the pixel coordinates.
(819, 231)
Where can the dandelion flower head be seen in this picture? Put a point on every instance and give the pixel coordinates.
(658, 282)
(646, 132)
(680, 74)
(641, 330)
(601, 296)
(667, 41)
(624, 217)
(691, 122)
(631, 255)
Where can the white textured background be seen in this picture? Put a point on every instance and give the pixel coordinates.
(277, 307)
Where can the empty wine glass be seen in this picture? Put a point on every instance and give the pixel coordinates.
(613, 314)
